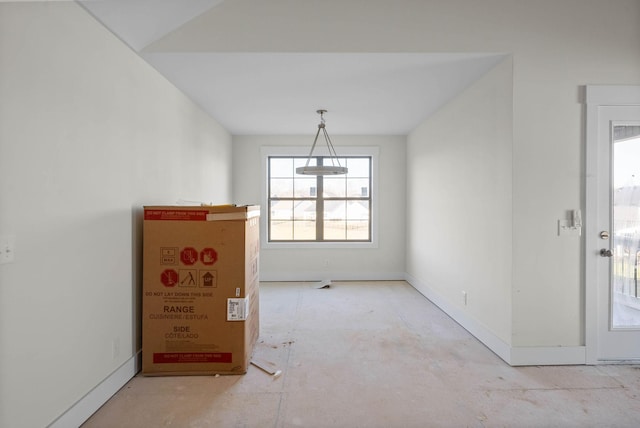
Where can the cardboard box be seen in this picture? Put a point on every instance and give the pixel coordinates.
(200, 289)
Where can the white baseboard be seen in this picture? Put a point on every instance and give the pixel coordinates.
(334, 276)
(484, 335)
(514, 356)
(77, 414)
(548, 355)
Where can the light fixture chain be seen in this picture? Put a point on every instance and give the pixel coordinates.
(315, 140)
(332, 151)
(321, 168)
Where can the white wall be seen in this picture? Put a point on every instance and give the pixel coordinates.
(386, 261)
(459, 181)
(562, 47)
(557, 46)
(88, 134)
(75, 105)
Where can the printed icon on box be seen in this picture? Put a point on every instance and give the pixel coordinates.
(188, 277)
(189, 255)
(168, 256)
(169, 277)
(208, 279)
(208, 256)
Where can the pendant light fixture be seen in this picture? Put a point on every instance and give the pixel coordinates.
(329, 169)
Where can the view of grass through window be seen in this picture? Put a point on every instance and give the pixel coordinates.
(319, 208)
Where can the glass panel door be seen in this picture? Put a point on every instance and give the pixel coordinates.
(615, 255)
(625, 304)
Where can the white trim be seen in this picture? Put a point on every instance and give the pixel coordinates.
(82, 410)
(514, 356)
(314, 245)
(547, 355)
(612, 95)
(334, 276)
(266, 151)
(596, 96)
(590, 230)
(483, 334)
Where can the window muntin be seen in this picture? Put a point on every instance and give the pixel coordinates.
(319, 208)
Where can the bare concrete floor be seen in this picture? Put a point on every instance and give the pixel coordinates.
(375, 354)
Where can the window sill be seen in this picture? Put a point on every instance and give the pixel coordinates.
(317, 245)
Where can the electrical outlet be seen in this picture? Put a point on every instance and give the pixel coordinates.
(7, 249)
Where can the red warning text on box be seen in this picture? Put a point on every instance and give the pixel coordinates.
(175, 215)
(191, 357)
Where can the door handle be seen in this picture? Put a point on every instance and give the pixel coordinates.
(605, 252)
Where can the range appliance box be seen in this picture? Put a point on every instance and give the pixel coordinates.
(200, 289)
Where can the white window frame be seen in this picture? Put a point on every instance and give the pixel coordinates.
(267, 151)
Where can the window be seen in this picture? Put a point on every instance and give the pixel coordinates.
(334, 208)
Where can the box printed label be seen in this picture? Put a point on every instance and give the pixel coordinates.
(237, 309)
(188, 278)
(208, 279)
(168, 256)
(189, 256)
(177, 215)
(169, 278)
(191, 357)
(208, 256)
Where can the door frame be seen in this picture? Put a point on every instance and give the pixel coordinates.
(596, 96)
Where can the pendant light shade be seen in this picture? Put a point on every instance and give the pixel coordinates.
(334, 168)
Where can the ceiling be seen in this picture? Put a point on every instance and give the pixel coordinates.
(278, 93)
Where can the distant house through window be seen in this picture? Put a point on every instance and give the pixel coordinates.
(331, 208)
